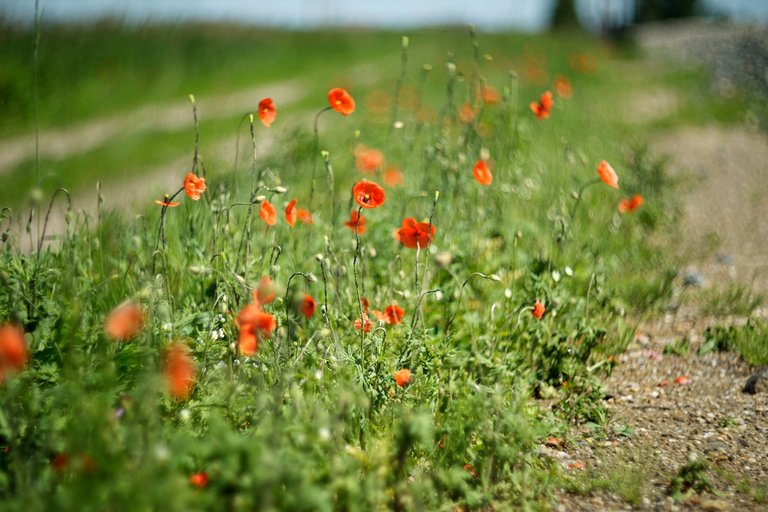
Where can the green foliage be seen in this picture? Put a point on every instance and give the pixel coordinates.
(314, 420)
(750, 340)
(690, 478)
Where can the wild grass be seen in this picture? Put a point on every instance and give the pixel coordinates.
(314, 419)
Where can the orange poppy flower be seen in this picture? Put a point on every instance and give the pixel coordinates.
(304, 216)
(179, 370)
(402, 377)
(490, 95)
(253, 323)
(13, 350)
(542, 107)
(366, 322)
(307, 305)
(392, 315)
(353, 223)
(60, 462)
(538, 310)
(124, 322)
(414, 234)
(607, 174)
(268, 213)
(341, 101)
(194, 186)
(368, 159)
(563, 87)
(267, 111)
(631, 204)
(469, 468)
(368, 194)
(482, 173)
(393, 177)
(466, 113)
(290, 213)
(166, 201)
(199, 479)
(264, 293)
(366, 304)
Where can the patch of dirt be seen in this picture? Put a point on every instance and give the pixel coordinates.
(649, 105)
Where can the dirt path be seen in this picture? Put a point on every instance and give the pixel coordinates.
(80, 138)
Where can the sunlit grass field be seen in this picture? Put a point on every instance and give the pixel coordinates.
(160, 370)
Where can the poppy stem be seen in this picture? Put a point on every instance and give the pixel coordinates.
(315, 149)
(461, 293)
(197, 135)
(320, 259)
(574, 208)
(161, 232)
(357, 286)
(398, 87)
(332, 186)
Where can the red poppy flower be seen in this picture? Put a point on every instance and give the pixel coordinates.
(393, 314)
(414, 234)
(13, 350)
(268, 213)
(482, 173)
(124, 322)
(199, 479)
(179, 370)
(166, 201)
(607, 174)
(353, 221)
(490, 95)
(368, 159)
(368, 194)
(563, 87)
(307, 306)
(402, 377)
(466, 113)
(366, 304)
(253, 323)
(542, 107)
(341, 101)
(290, 213)
(304, 216)
(264, 293)
(538, 310)
(393, 177)
(469, 468)
(60, 462)
(631, 204)
(365, 322)
(267, 111)
(194, 186)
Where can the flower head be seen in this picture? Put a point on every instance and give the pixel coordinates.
(542, 107)
(194, 186)
(268, 213)
(253, 323)
(179, 370)
(631, 204)
(414, 234)
(341, 101)
(402, 377)
(13, 350)
(199, 479)
(368, 194)
(393, 177)
(368, 159)
(538, 310)
(264, 293)
(482, 173)
(166, 202)
(466, 113)
(563, 87)
(356, 223)
(290, 213)
(304, 216)
(393, 314)
(124, 322)
(307, 305)
(267, 111)
(365, 323)
(490, 95)
(607, 174)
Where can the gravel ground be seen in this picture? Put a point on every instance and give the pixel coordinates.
(659, 426)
